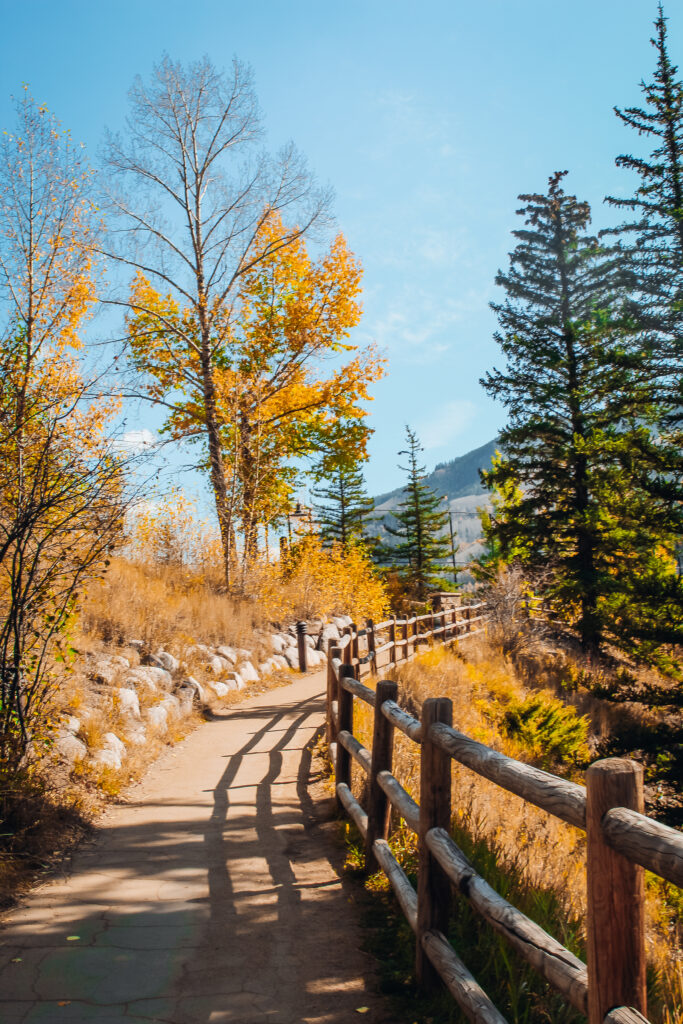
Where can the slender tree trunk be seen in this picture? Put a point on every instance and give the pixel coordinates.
(216, 464)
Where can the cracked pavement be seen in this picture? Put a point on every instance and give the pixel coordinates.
(212, 896)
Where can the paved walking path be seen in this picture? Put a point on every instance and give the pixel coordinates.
(213, 897)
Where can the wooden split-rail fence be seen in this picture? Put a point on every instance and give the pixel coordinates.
(621, 839)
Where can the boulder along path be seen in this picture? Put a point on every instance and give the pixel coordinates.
(214, 895)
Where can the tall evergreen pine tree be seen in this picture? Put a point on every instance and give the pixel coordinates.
(421, 547)
(575, 390)
(344, 508)
(652, 243)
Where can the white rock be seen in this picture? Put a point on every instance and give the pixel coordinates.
(266, 667)
(221, 689)
(229, 653)
(310, 641)
(167, 661)
(171, 703)
(157, 716)
(195, 686)
(279, 661)
(149, 675)
(198, 651)
(218, 666)
(277, 643)
(159, 676)
(104, 672)
(327, 633)
(118, 659)
(108, 758)
(128, 701)
(242, 654)
(315, 659)
(112, 742)
(236, 678)
(69, 747)
(111, 753)
(185, 695)
(71, 724)
(292, 656)
(137, 735)
(248, 672)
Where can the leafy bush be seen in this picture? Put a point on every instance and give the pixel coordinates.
(550, 729)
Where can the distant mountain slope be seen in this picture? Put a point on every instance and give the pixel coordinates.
(459, 481)
(457, 478)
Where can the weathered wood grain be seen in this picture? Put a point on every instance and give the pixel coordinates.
(359, 690)
(402, 720)
(345, 723)
(405, 894)
(379, 809)
(333, 654)
(646, 842)
(353, 808)
(358, 752)
(433, 885)
(468, 994)
(402, 801)
(550, 958)
(616, 895)
(565, 800)
(625, 1015)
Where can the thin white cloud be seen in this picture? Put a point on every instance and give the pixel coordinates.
(447, 423)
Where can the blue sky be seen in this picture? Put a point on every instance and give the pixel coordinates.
(427, 120)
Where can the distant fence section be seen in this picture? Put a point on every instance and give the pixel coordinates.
(621, 840)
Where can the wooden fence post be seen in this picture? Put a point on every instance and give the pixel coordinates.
(371, 646)
(379, 808)
(354, 642)
(616, 898)
(301, 628)
(405, 637)
(345, 711)
(433, 886)
(392, 637)
(347, 652)
(332, 653)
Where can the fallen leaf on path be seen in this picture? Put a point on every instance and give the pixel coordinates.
(72, 938)
(362, 1009)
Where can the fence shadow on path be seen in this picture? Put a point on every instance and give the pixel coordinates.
(270, 942)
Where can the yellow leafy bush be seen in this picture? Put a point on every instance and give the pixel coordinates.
(316, 580)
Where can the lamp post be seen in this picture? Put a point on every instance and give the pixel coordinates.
(301, 513)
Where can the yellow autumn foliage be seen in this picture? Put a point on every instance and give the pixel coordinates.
(313, 580)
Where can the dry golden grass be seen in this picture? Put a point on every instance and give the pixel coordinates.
(545, 852)
(164, 605)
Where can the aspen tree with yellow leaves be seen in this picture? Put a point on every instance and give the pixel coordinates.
(273, 403)
(61, 486)
(228, 315)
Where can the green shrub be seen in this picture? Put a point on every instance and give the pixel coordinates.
(550, 729)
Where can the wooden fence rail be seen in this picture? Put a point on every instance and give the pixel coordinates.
(621, 840)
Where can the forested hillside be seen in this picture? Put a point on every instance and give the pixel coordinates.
(459, 481)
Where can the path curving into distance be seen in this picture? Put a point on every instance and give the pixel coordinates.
(213, 896)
